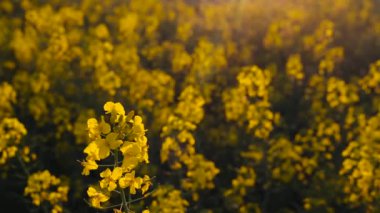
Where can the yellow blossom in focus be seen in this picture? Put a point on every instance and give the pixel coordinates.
(129, 180)
(115, 109)
(110, 178)
(96, 197)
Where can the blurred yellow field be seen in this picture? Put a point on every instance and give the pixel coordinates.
(189, 106)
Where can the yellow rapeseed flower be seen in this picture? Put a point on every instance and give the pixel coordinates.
(110, 178)
(129, 180)
(115, 109)
(88, 166)
(96, 197)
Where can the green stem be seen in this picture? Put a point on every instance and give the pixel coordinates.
(44, 208)
(124, 200)
(129, 198)
(141, 198)
(111, 207)
(125, 204)
(23, 166)
(106, 165)
(116, 158)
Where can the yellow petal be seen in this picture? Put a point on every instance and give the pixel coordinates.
(104, 127)
(108, 107)
(112, 142)
(112, 136)
(91, 191)
(92, 123)
(137, 183)
(123, 183)
(132, 190)
(115, 144)
(119, 109)
(112, 186)
(88, 165)
(106, 173)
(138, 120)
(95, 202)
(145, 187)
(116, 173)
(103, 197)
(130, 149)
(104, 150)
(103, 183)
(129, 163)
(92, 150)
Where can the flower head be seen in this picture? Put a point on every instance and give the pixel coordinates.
(96, 197)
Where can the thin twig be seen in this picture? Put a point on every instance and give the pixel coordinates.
(23, 166)
(140, 198)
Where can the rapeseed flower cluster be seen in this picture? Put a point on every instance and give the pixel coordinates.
(45, 187)
(168, 200)
(250, 101)
(179, 144)
(359, 163)
(116, 133)
(11, 133)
